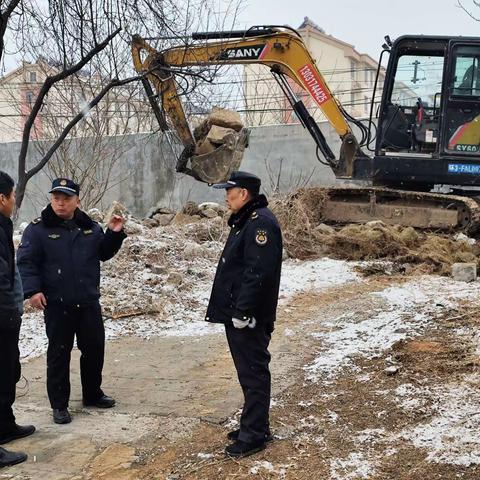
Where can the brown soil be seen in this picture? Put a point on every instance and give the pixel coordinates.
(318, 422)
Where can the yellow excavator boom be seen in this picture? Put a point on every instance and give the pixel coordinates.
(281, 49)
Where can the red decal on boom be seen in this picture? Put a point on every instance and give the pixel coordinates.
(314, 85)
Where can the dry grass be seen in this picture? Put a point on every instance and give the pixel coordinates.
(300, 215)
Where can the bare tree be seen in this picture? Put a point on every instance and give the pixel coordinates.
(475, 4)
(89, 38)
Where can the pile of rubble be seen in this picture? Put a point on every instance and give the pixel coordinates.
(166, 265)
(306, 237)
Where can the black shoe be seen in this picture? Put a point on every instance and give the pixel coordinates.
(243, 449)
(17, 431)
(11, 458)
(233, 435)
(61, 415)
(103, 402)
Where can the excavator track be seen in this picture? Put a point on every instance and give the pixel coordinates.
(432, 211)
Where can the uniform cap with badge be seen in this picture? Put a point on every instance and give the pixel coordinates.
(66, 186)
(242, 180)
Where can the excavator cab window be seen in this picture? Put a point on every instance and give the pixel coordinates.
(463, 107)
(410, 120)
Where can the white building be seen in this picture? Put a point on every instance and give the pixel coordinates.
(349, 74)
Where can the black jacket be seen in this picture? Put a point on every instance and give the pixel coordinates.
(9, 308)
(62, 259)
(248, 274)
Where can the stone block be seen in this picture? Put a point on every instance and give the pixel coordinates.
(464, 272)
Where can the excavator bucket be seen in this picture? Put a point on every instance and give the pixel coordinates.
(216, 166)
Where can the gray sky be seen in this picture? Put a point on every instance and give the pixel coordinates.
(364, 23)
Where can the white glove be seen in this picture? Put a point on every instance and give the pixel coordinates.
(250, 323)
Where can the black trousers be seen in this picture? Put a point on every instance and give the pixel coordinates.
(249, 349)
(62, 325)
(10, 371)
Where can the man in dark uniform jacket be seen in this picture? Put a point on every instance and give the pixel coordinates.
(244, 297)
(59, 262)
(11, 309)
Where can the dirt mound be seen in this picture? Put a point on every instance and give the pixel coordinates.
(306, 237)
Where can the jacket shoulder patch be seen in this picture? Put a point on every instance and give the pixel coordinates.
(37, 220)
(261, 237)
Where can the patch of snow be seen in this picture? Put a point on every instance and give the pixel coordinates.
(332, 416)
(370, 435)
(407, 397)
(451, 435)
(205, 456)
(33, 339)
(299, 276)
(355, 466)
(261, 465)
(402, 312)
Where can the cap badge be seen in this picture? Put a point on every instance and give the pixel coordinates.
(63, 183)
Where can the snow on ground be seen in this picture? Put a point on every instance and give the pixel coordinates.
(181, 307)
(395, 313)
(451, 434)
(354, 467)
(298, 276)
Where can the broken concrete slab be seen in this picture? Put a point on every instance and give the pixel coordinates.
(464, 272)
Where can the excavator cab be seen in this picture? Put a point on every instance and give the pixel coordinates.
(429, 119)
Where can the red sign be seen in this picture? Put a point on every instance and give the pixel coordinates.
(314, 85)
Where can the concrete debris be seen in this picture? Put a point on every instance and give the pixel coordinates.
(222, 117)
(219, 128)
(116, 208)
(184, 219)
(324, 228)
(217, 135)
(190, 208)
(150, 222)
(209, 213)
(392, 370)
(163, 219)
(158, 208)
(464, 272)
(95, 214)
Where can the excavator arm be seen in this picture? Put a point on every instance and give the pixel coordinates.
(281, 49)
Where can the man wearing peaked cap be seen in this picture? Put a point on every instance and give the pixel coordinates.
(239, 179)
(59, 262)
(66, 186)
(244, 297)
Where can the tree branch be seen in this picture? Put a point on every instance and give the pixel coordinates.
(47, 85)
(75, 120)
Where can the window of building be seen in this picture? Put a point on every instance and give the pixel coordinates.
(33, 77)
(29, 97)
(352, 69)
(366, 104)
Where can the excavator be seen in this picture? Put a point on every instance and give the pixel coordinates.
(423, 165)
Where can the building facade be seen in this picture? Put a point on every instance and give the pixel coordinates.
(349, 74)
(123, 110)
